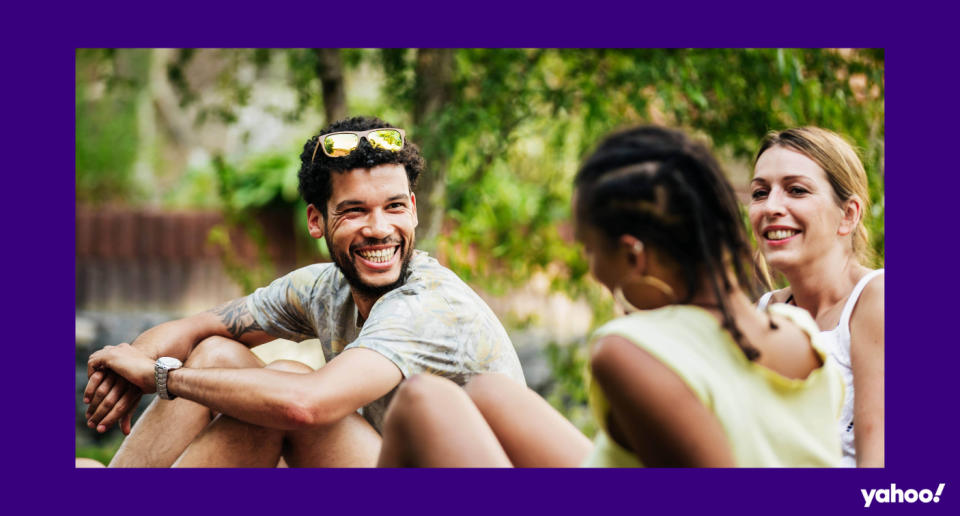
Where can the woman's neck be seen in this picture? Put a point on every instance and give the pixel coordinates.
(821, 284)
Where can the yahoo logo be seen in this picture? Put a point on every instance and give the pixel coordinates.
(894, 495)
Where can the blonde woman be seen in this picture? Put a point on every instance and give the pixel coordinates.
(809, 199)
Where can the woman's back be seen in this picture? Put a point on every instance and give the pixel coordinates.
(769, 418)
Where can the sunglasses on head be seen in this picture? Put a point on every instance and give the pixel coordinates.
(342, 143)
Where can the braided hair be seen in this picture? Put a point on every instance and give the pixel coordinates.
(668, 191)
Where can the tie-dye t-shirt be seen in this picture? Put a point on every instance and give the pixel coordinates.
(433, 323)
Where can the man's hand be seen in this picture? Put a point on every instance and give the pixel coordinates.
(111, 398)
(127, 361)
(118, 377)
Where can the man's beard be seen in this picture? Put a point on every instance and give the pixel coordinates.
(344, 262)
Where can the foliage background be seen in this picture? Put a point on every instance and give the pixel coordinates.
(502, 131)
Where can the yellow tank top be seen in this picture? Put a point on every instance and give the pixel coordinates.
(769, 420)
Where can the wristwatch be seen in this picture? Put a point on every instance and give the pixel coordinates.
(160, 370)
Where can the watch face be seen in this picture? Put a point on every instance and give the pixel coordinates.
(169, 362)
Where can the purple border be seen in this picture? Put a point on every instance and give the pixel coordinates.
(39, 430)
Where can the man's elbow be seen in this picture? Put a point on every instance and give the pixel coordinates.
(297, 415)
(302, 402)
(307, 412)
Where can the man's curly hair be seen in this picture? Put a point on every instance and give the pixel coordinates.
(315, 184)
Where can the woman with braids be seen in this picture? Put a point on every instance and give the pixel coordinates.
(809, 197)
(694, 376)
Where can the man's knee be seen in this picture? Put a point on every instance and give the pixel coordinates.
(420, 393)
(290, 366)
(488, 388)
(222, 352)
(422, 387)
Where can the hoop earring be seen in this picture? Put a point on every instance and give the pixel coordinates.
(621, 300)
(650, 281)
(660, 285)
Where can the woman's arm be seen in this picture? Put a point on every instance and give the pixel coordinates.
(866, 359)
(653, 412)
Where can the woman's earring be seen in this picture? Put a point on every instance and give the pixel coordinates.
(646, 279)
(621, 299)
(650, 281)
(659, 284)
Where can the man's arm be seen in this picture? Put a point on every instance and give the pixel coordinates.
(177, 338)
(111, 397)
(266, 397)
(278, 399)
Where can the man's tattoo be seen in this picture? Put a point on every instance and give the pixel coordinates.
(237, 318)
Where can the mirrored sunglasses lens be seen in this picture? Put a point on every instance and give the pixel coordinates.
(386, 139)
(337, 145)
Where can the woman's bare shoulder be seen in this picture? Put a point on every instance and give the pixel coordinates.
(869, 308)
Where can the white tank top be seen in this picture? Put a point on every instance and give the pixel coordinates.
(837, 344)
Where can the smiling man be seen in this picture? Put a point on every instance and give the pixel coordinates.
(382, 310)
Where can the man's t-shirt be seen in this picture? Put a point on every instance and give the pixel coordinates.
(433, 323)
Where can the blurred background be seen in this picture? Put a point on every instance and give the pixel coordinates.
(187, 165)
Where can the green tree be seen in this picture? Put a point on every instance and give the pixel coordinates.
(519, 120)
(507, 126)
(109, 84)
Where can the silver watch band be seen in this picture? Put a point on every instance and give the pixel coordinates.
(161, 372)
(161, 377)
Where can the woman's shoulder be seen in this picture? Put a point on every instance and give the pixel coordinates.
(874, 286)
(669, 333)
(869, 307)
(866, 329)
(656, 321)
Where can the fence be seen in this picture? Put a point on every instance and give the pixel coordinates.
(131, 259)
